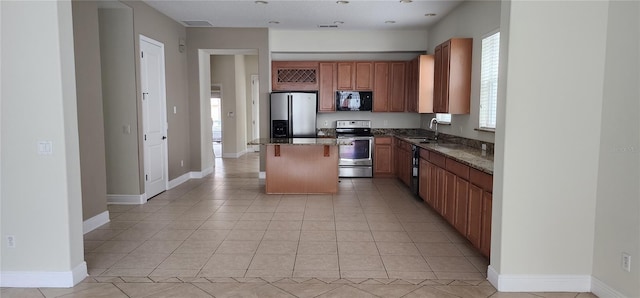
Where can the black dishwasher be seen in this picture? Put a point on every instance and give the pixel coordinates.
(415, 168)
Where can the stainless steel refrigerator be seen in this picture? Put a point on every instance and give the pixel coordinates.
(293, 114)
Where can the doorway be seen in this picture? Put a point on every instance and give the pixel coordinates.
(216, 120)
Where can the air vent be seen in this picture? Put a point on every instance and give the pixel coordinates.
(197, 23)
(327, 26)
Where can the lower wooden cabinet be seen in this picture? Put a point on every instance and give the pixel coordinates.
(461, 205)
(383, 157)
(440, 190)
(301, 169)
(485, 238)
(402, 152)
(449, 204)
(460, 194)
(474, 215)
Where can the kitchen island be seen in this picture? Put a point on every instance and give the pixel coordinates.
(301, 165)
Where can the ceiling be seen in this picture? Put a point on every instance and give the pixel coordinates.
(308, 14)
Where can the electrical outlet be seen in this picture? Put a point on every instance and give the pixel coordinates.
(386, 123)
(626, 262)
(11, 241)
(326, 124)
(182, 163)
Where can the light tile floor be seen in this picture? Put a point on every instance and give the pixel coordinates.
(221, 236)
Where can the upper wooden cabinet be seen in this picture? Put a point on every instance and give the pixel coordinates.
(327, 87)
(364, 76)
(389, 86)
(397, 73)
(355, 76)
(452, 76)
(381, 86)
(420, 84)
(294, 75)
(411, 92)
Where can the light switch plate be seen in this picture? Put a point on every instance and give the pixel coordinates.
(45, 148)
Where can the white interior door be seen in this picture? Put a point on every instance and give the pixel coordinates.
(154, 115)
(255, 108)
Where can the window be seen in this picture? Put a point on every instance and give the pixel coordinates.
(443, 118)
(489, 80)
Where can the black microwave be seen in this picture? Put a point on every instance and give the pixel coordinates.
(354, 100)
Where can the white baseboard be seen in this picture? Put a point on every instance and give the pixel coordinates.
(57, 279)
(182, 179)
(127, 199)
(262, 175)
(236, 155)
(601, 289)
(206, 172)
(94, 222)
(492, 276)
(538, 283)
(198, 175)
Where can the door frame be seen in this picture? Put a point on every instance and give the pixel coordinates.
(163, 103)
(255, 109)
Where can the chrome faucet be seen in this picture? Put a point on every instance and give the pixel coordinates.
(434, 120)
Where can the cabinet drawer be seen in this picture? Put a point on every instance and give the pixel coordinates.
(457, 168)
(483, 180)
(437, 159)
(424, 154)
(383, 140)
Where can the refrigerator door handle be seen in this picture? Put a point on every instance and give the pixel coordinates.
(290, 106)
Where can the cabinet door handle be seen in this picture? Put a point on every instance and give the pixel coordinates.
(277, 150)
(327, 151)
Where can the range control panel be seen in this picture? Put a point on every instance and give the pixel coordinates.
(353, 124)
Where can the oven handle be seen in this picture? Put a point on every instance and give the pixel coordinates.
(355, 138)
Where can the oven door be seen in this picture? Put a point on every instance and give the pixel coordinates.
(358, 153)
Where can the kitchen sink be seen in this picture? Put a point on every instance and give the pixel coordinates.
(421, 140)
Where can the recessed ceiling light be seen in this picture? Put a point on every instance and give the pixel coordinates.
(430, 14)
(338, 22)
(389, 22)
(406, 1)
(342, 2)
(274, 22)
(260, 2)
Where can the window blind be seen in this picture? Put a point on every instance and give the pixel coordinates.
(489, 80)
(443, 118)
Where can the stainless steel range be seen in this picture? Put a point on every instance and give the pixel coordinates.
(355, 159)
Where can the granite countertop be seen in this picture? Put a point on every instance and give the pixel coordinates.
(299, 141)
(470, 156)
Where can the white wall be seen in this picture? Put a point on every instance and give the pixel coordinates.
(46, 220)
(547, 170)
(117, 55)
(473, 19)
(323, 41)
(90, 111)
(251, 68)
(617, 226)
(240, 104)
